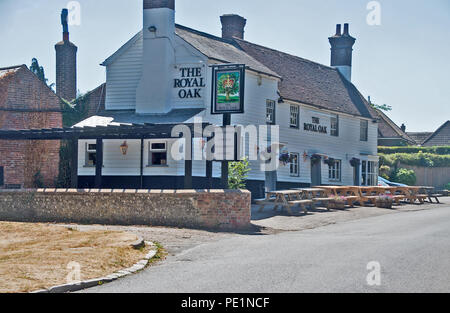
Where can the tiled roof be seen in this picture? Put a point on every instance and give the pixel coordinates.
(310, 82)
(301, 80)
(388, 129)
(440, 137)
(419, 137)
(220, 49)
(212, 47)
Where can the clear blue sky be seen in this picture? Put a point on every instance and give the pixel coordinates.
(404, 62)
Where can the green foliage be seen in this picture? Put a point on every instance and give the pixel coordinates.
(445, 150)
(76, 111)
(64, 174)
(447, 187)
(383, 107)
(415, 159)
(237, 174)
(405, 176)
(385, 172)
(38, 180)
(73, 113)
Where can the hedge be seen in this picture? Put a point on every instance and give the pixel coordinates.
(415, 159)
(412, 149)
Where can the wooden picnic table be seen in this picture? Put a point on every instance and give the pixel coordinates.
(286, 199)
(349, 194)
(316, 195)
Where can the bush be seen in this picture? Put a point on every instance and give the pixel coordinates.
(447, 187)
(415, 159)
(445, 150)
(385, 172)
(237, 174)
(405, 176)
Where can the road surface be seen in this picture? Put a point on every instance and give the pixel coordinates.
(412, 249)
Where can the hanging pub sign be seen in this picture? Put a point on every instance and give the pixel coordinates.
(228, 89)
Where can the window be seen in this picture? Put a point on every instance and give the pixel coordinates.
(295, 116)
(2, 176)
(335, 126)
(91, 155)
(334, 170)
(364, 130)
(369, 173)
(294, 164)
(270, 111)
(158, 154)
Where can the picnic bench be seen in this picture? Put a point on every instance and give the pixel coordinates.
(317, 195)
(349, 194)
(286, 199)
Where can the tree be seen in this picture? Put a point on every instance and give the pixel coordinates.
(238, 174)
(39, 71)
(228, 84)
(383, 107)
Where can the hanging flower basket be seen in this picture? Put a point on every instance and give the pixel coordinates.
(355, 162)
(285, 158)
(330, 161)
(124, 148)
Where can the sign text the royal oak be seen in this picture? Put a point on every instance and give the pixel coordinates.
(316, 127)
(190, 83)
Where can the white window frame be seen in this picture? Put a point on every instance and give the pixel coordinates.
(293, 165)
(88, 152)
(334, 131)
(369, 171)
(151, 151)
(335, 171)
(294, 116)
(364, 130)
(271, 106)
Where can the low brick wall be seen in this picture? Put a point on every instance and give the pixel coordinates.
(210, 209)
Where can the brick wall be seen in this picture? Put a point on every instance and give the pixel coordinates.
(66, 70)
(214, 209)
(28, 103)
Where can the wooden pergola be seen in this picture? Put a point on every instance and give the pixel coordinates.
(99, 133)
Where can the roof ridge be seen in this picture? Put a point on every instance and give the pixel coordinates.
(285, 53)
(201, 33)
(12, 67)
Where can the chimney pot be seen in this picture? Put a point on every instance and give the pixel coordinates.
(403, 128)
(155, 4)
(233, 25)
(338, 30)
(346, 29)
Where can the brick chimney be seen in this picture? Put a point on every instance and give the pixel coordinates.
(153, 94)
(233, 25)
(342, 50)
(66, 63)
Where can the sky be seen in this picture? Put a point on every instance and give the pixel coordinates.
(402, 62)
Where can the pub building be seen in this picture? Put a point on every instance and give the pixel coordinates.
(165, 75)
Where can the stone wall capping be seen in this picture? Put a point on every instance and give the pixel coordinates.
(106, 191)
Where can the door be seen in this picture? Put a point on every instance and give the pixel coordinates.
(271, 181)
(356, 176)
(316, 173)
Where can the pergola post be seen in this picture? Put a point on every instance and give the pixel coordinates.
(188, 166)
(99, 163)
(74, 164)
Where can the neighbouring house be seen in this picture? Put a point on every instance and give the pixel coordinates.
(26, 102)
(389, 134)
(163, 76)
(441, 137)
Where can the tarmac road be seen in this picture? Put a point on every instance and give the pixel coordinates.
(412, 249)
